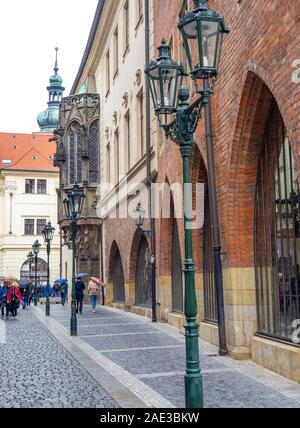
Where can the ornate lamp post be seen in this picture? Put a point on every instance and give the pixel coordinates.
(73, 205)
(30, 258)
(36, 249)
(48, 233)
(202, 31)
(139, 219)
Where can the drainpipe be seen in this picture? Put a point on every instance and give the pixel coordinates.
(10, 220)
(102, 262)
(149, 175)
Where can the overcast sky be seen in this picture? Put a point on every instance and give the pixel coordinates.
(29, 31)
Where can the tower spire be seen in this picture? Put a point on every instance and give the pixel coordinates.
(48, 119)
(56, 62)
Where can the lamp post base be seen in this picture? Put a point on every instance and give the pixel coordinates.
(73, 327)
(47, 307)
(73, 321)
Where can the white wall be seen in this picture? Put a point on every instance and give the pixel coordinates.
(14, 247)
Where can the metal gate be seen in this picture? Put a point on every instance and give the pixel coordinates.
(143, 275)
(277, 243)
(118, 279)
(177, 285)
(210, 302)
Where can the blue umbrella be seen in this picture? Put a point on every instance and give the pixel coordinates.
(82, 275)
(61, 281)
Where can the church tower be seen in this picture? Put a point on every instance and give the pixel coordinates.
(48, 119)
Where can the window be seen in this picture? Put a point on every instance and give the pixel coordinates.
(29, 227)
(127, 139)
(116, 51)
(140, 124)
(126, 27)
(29, 186)
(139, 12)
(117, 156)
(75, 153)
(107, 70)
(94, 152)
(277, 233)
(40, 225)
(41, 187)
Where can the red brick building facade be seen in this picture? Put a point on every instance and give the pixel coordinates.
(257, 158)
(255, 115)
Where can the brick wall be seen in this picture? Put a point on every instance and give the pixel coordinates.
(256, 66)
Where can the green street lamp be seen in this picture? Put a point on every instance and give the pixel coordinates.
(30, 259)
(48, 233)
(181, 120)
(202, 31)
(73, 205)
(207, 27)
(36, 249)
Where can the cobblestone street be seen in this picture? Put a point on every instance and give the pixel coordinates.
(37, 372)
(148, 359)
(117, 348)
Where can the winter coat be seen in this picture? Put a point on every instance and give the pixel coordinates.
(10, 294)
(3, 294)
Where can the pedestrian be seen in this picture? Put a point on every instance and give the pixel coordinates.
(14, 298)
(93, 289)
(25, 295)
(31, 292)
(56, 290)
(3, 296)
(79, 288)
(63, 292)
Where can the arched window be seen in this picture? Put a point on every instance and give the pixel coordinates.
(26, 273)
(94, 152)
(177, 286)
(75, 153)
(143, 274)
(118, 279)
(210, 303)
(277, 234)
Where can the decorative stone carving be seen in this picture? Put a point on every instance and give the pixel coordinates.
(125, 99)
(115, 118)
(107, 133)
(138, 76)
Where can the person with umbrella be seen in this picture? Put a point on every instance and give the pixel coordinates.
(63, 288)
(93, 289)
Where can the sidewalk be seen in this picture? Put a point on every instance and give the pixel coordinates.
(37, 372)
(141, 364)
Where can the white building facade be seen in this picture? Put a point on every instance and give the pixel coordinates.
(28, 201)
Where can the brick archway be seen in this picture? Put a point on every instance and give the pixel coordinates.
(253, 113)
(116, 275)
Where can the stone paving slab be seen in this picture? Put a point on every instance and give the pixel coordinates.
(157, 360)
(116, 329)
(37, 372)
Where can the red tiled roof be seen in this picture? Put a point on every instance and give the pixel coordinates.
(30, 152)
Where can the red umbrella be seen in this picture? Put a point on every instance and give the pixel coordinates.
(97, 281)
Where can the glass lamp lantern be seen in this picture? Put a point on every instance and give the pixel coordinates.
(36, 247)
(48, 232)
(202, 31)
(73, 204)
(165, 78)
(139, 216)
